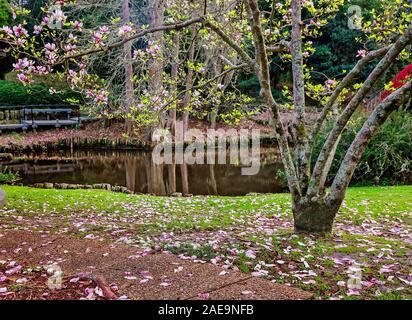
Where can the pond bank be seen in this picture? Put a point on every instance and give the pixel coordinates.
(96, 136)
(65, 139)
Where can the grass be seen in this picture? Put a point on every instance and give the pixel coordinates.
(252, 233)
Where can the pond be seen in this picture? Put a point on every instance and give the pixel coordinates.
(137, 172)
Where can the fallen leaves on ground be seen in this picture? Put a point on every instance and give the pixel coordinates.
(367, 256)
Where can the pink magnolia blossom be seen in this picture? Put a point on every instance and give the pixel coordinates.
(22, 64)
(20, 31)
(23, 78)
(352, 292)
(124, 30)
(20, 42)
(102, 97)
(104, 29)
(72, 74)
(204, 296)
(72, 38)
(77, 25)
(98, 38)
(70, 48)
(46, 21)
(58, 15)
(37, 30)
(7, 30)
(50, 47)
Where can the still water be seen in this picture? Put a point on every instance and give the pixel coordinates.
(137, 172)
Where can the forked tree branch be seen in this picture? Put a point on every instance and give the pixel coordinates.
(347, 113)
(231, 43)
(345, 83)
(363, 138)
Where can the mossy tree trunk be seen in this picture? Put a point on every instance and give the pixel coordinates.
(314, 216)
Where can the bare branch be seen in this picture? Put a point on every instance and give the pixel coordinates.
(226, 60)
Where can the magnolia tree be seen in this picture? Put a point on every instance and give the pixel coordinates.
(251, 32)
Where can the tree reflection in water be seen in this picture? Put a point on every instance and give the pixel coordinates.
(137, 172)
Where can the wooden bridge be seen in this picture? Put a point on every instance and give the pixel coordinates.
(36, 116)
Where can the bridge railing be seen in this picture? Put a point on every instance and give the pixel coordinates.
(26, 116)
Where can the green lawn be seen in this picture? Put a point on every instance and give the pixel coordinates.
(253, 233)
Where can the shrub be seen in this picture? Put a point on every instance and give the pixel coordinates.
(13, 93)
(7, 176)
(4, 12)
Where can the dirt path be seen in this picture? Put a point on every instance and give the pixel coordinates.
(128, 271)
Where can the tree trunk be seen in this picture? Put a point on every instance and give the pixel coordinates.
(155, 182)
(189, 79)
(317, 215)
(314, 216)
(175, 79)
(128, 66)
(363, 138)
(352, 106)
(156, 65)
